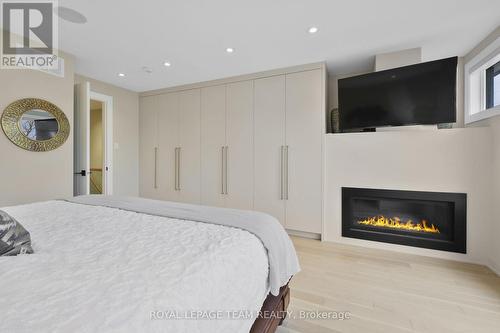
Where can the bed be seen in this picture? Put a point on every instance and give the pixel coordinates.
(113, 267)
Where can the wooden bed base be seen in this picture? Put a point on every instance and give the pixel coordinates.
(273, 312)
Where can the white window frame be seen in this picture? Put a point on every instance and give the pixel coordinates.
(475, 84)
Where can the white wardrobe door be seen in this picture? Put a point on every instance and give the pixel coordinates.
(168, 138)
(240, 152)
(189, 142)
(213, 139)
(269, 137)
(304, 108)
(148, 147)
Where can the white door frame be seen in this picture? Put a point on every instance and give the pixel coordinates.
(107, 124)
(81, 142)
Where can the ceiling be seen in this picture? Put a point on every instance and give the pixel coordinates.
(123, 36)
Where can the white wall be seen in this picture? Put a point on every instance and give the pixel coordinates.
(27, 176)
(456, 160)
(49, 175)
(398, 59)
(494, 253)
(493, 237)
(453, 160)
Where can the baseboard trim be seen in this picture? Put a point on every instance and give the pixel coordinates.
(493, 266)
(303, 234)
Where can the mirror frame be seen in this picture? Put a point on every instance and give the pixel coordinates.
(13, 113)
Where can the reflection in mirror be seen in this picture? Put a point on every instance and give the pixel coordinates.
(38, 125)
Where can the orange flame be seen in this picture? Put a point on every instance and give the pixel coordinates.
(396, 223)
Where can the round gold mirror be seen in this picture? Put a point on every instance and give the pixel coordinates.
(35, 124)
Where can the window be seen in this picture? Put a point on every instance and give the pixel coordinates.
(482, 84)
(493, 86)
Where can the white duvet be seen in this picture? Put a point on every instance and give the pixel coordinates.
(98, 269)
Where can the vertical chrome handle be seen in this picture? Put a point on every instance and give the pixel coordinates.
(281, 173)
(222, 170)
(155, 185)
(175, 169)
(286, 172)
(225, 168)
(178, 169)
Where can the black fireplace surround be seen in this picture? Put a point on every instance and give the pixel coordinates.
(432, 220)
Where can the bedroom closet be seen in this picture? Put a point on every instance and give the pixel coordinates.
(252, 142)
(169, 151)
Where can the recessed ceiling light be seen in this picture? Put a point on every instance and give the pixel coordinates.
(121, 74)
(313, 30)
(229, 50)
(166, 64)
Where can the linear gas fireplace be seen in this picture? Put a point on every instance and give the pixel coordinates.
(431, 220)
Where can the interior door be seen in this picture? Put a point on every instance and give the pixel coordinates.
(304, 120)
(269, 139)
(149, 151)
(213, 142)
(240, 152)
(81, 183)
(168, 140)
(189, 143)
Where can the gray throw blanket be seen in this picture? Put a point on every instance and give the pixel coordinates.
(283, 261)
(14, 239)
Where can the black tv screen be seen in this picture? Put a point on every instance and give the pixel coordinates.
(417, 94)
(46, 128)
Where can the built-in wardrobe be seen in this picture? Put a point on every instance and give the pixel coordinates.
(252, 142)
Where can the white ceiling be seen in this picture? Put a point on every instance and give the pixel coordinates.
(125, 35)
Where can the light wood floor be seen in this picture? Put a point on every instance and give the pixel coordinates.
(390, 292)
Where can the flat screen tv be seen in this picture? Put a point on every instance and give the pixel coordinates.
(417, 94)
(46, 128)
